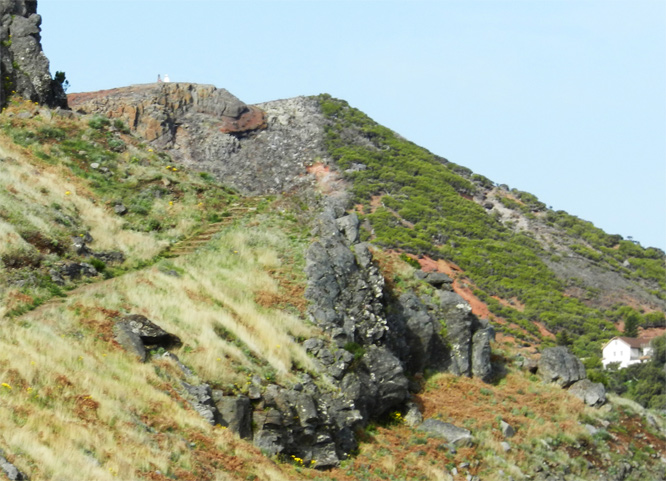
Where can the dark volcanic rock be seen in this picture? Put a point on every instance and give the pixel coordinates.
(75, 270)
(312, 426)
(136, 333)
(235, 412)
(376, 341)
(201, 399)
(24, 69)
(559, 366)
(150, 333)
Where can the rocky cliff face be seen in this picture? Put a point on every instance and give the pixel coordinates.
(254, 148)
(24, 68)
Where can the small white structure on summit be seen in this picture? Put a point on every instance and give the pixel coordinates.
(626, 351)
(166, 77)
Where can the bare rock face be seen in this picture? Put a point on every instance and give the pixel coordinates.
(261, 149)
(24, 68)
(163, 113)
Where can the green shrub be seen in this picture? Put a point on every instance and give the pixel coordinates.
(98, 122)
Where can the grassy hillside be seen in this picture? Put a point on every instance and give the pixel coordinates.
(424, 205)
(75, 405)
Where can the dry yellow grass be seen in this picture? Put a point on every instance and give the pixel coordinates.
(73, 393)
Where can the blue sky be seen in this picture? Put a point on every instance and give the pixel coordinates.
(563, 99)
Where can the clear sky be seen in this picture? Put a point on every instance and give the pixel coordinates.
(563, 99)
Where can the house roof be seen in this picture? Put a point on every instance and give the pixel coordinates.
(634, 342)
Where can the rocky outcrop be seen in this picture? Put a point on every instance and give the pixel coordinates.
(24, 69)
(235, 413)
(164, 113)
(591, 393)
(558, 365)
(257, 149)
(468, 337)
(375, 342)
(304, 422)
(137, 334)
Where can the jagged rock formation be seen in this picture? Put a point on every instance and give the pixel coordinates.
(257, 149)
(24, 69)
(370, 354)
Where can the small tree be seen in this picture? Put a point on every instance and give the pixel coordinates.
(62, 80)
(631, 324)
(562, 338)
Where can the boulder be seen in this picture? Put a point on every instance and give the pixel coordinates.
(452, 434)
(130, 341)
(235, 413)
(459, 322)
(507, 429)
(558, 365)
(421, 333)
(439, 280)
(413, 417)
(591, 393)
(137, 334)
(151, 334)
(110, 257)
(76, 270)
(120, 209)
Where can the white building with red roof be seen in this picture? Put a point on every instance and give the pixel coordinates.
(626, 351)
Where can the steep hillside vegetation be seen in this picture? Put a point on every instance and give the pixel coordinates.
(530, 265)
(100, 230)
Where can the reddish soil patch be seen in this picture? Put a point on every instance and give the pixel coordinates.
(651, 332)
(328, 181)
(375, 202)
(479, 308)
(513, 303)
(543, 331)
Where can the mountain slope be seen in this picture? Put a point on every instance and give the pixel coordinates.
(563, 272)
(246, 325)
